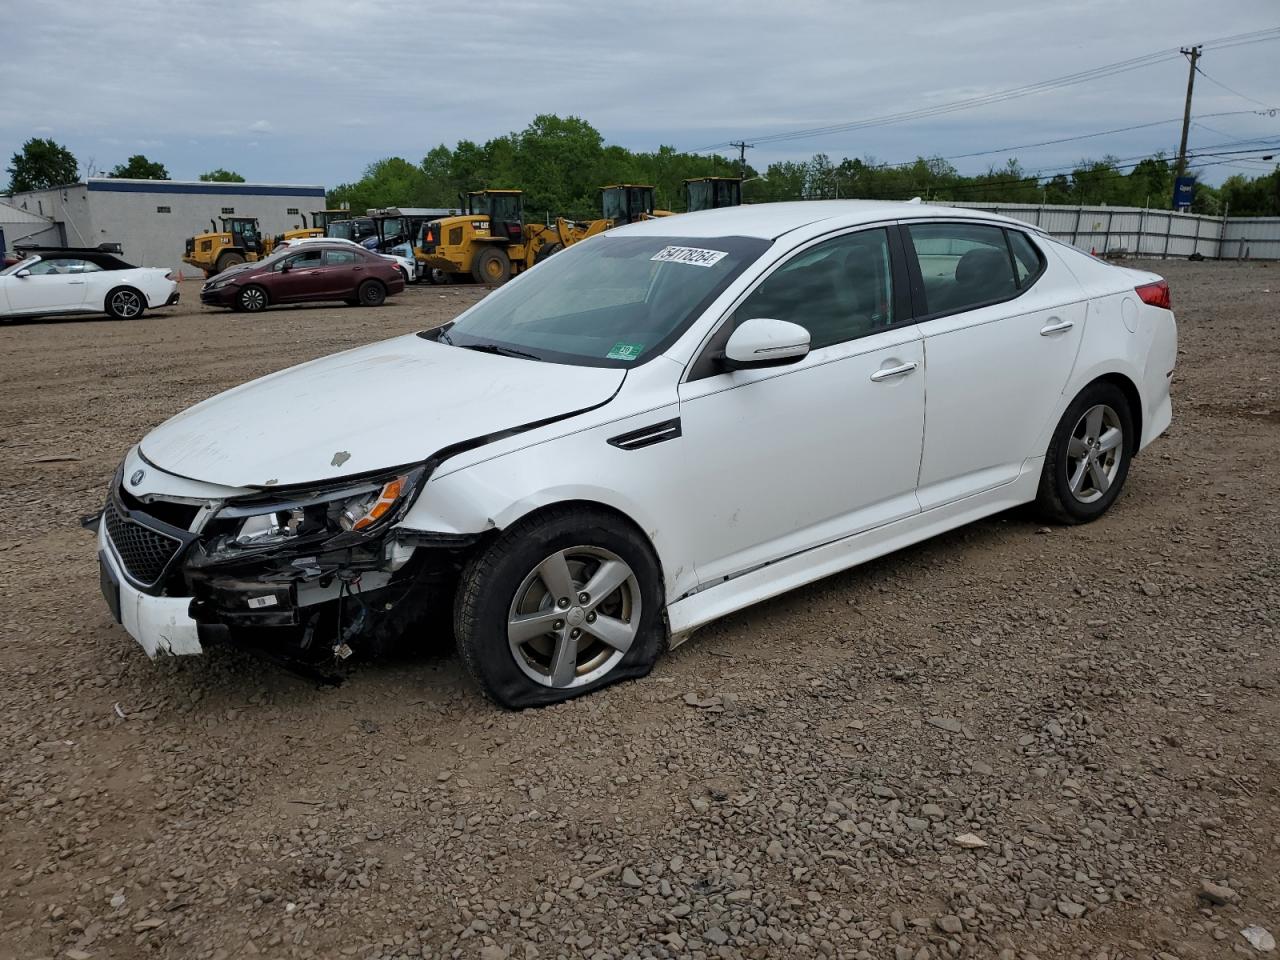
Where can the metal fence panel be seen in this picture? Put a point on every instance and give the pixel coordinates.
(1147, 233)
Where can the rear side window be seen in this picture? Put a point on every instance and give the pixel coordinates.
(962, 265)
(339, 258)
(1027, 260)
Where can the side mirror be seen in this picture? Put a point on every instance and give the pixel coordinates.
(763, 342)
(24, 273)
(286, 266)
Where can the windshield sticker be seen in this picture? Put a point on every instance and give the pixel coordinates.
(693, 256)
(625, 351)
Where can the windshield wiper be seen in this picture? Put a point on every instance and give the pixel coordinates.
(495, 348)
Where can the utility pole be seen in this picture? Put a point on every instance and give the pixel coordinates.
(742, 156)
(1192, 54)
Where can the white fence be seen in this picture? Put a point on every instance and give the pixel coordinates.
(1148, 233)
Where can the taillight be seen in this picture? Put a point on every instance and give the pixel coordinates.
(1156, 294)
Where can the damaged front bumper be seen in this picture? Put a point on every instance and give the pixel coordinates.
(176, 589)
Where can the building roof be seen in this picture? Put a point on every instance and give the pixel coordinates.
(189, 187)
(771, 220)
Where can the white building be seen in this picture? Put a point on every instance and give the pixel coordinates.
(152, 219)
(21, 226)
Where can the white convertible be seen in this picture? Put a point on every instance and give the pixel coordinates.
(73, 280)
(657, 427)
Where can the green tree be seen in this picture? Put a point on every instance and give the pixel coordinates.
(391, 182)
(40, 164)
(139, 167)
(221, 176)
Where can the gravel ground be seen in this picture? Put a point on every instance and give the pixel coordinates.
(1011, 741)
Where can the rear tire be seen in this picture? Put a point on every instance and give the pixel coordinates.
(227, 261)
(252, 299)
(491, 265)
(125, 303)
(1088, 458)
(371, 293)
(519, 665)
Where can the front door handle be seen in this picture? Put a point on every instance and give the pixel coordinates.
(888, 373)
(75, 283)
(1057, 326)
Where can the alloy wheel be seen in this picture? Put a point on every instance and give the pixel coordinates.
(253, 299)
(574, 617)
(1094, 453)
(126, 304)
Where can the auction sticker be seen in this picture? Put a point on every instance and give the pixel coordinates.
(624, 351)
(694, 256)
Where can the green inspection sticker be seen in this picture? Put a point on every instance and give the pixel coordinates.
(624, 351)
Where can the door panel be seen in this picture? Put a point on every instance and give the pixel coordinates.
(300, 282)
(792, 457)
(52, 292)
(996, 373)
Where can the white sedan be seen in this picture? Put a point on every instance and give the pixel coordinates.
(653, 429)
(69, 280)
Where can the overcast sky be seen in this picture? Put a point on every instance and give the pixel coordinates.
(310, 91)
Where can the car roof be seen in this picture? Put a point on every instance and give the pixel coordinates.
(769, 221)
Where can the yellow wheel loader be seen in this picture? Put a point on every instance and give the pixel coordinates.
(709, 193)
(238, 241)
(488, 241)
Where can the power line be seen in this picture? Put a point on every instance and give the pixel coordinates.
(1106, 70)
(1219, 83)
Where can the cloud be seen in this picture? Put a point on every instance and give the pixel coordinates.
(645, 72)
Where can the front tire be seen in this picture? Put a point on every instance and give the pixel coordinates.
(560, 605)
(227, 261)
(125, 303)
(491, 265)
(1088, 458)
(252, 299)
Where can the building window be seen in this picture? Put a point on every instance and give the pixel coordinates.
(163, 210)
(292, 211)
(228, 209)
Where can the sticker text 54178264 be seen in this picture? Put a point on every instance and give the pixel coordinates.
(694, 256)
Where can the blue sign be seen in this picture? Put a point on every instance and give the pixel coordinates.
(1184, 191)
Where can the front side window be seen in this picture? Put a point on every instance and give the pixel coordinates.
(962, 265)
(63, 265)
(339, 258)
(608, 301)
(303, 261)
(838, 290)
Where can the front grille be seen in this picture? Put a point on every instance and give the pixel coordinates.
(180, 515)
(144, 552)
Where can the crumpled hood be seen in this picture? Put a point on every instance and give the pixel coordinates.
(371, 408)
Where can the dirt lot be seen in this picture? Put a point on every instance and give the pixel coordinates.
(1097, 705)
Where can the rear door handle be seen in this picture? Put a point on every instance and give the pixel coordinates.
(75, 283)
(888, 373)
(1057, 326)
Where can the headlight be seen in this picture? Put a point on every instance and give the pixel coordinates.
(357, 508)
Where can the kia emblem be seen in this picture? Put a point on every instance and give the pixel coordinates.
(136, 478)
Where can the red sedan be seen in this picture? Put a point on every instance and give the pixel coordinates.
(316, 271)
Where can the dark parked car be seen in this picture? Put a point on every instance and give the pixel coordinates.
(313, 272)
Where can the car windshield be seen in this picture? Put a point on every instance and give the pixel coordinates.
(612, 301)
(20, 265)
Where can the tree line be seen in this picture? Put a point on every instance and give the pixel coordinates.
(561, 162)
